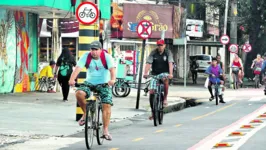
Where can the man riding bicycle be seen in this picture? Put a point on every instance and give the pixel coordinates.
(97, 74)
(215, 72)
(161, 62)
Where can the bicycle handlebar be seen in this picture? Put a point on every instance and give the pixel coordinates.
(82, 84)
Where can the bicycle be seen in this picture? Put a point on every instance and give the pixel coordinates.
(235, 71)
(88, 14)
(93, 120)
(257, 72)
(157, 107)
(124, 87)
(217, 91)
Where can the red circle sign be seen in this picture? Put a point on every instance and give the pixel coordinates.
(233, 48)
(144, 29)
(247, 48)
(87, 13)
(225, 39)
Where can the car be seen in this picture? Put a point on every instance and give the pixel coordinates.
(203, 60)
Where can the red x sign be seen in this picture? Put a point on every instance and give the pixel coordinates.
(144, 29)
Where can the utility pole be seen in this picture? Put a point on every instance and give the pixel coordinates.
(233, 30)
(225, 29)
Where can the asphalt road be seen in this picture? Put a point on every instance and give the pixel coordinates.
(207, 123)
(181, 130)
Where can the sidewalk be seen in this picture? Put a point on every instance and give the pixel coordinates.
(38, 115)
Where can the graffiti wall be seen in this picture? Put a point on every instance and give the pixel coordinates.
(18, 51)
(7, 51)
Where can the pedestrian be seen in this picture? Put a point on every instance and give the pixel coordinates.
(64, 66)
(194, 70)
(46, 75)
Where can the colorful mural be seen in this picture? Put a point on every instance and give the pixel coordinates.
(7, 51)
(22, 78)
(18, 51)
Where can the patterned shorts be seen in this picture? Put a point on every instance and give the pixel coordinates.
(153, 82)
(105, 93)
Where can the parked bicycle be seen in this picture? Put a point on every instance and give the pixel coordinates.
(157, 108)
(93, 120)
(88, 13)
(122, 87)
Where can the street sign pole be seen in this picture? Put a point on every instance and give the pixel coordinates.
(140, 72)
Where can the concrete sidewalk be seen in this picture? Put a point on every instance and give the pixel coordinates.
(38, 115)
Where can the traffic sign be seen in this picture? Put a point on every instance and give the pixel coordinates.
(233, 48)
(247, 48)
(87, 13)
(144, 29)
(225, 39)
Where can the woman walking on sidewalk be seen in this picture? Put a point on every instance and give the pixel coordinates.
(65, 64)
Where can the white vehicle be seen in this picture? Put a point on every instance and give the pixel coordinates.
(203, 60)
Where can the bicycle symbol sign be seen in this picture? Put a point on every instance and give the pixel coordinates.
(87, 13)
(144, 29)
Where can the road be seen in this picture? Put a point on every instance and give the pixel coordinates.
(200, 127)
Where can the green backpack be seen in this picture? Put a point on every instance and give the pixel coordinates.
(65, 68)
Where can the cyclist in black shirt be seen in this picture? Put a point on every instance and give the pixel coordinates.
(161, 62)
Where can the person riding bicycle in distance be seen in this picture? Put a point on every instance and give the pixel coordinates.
(215, 72)
(161, 62)
(96, 74)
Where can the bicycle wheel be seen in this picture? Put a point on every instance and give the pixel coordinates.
(235, 82)
(256, 81)
(89, 126)
(119, 90)
(216, 95)
(155, 110)
(128, 90)
(99, 126)
(160, 104)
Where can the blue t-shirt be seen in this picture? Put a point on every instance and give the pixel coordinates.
(96, 73)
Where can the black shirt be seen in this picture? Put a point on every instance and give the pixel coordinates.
(160, 62)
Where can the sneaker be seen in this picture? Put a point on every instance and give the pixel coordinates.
(210, 99)
(221, 99)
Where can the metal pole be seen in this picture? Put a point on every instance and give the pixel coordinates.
(185, 64)
(225, 28)
(140, 72)
(233, 30)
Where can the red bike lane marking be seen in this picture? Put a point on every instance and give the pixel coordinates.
(222, 130)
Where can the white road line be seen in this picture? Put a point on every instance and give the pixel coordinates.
(253, 99)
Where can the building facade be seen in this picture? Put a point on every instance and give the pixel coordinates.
(19, 41)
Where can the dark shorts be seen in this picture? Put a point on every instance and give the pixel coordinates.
(105, 93)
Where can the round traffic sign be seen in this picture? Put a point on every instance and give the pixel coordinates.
(87, 13)
(144, 29)
(233, 48)
(247, 48)
(225, 39)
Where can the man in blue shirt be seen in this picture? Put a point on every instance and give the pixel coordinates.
(96, 74)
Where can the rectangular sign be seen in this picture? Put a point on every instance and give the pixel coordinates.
(194, 28)
(161, 17)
